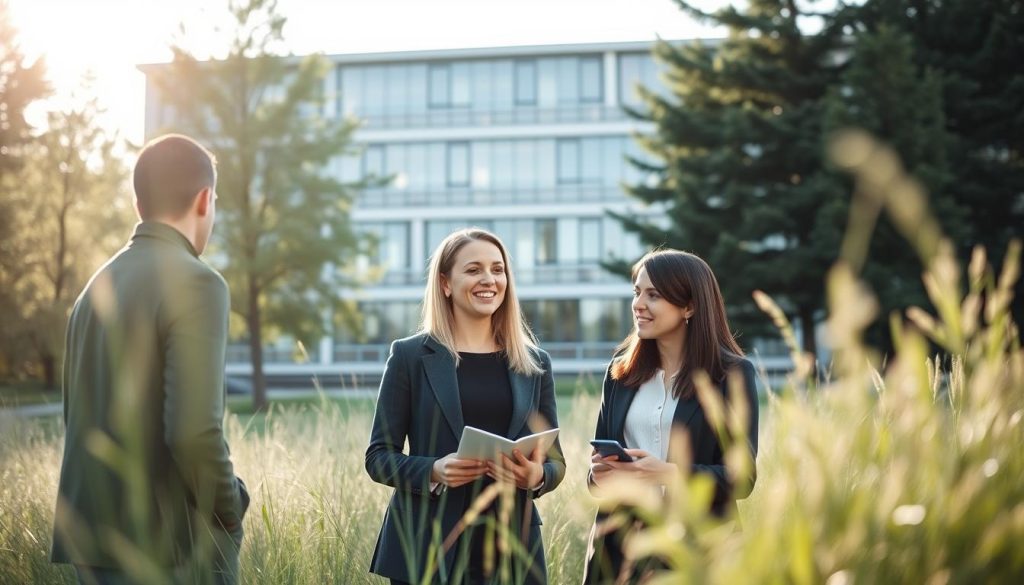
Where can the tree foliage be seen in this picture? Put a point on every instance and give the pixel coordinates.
(69, 209)
(283, 239)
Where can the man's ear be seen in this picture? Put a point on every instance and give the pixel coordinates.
(204, 200)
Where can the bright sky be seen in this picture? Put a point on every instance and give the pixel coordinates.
(110, 37)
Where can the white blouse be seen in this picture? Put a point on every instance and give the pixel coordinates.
(649, 420)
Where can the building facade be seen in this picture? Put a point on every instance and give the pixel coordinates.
(531, 143)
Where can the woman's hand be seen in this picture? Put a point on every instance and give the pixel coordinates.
(644, 467)
(599, 469)
(525, 473)
(454, 472)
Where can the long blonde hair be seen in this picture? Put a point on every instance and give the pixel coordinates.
(511, 332)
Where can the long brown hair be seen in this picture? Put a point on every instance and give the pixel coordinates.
(684, 280)
(511, 333)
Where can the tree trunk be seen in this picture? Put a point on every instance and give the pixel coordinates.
(49, 362)
(810, 343)
(259, 387)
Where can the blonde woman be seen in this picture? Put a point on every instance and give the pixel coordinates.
(475, 363)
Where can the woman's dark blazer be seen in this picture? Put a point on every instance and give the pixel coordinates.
(419, 402)
(604, 552)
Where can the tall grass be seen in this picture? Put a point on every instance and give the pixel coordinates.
(314, 514)
(907, 468)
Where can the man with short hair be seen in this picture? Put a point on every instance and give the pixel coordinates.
(147, 489)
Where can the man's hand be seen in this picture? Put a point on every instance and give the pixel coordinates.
(525, 473)
(454, 472)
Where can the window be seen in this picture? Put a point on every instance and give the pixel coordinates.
(526, 83)
(458, 164)
(553, 320)
(590, 80)
(373, 161)
(547, 241)
(460, 93)
(590, 240)
(440, 86)
(605, 319)
(568, 160)
(391, 244)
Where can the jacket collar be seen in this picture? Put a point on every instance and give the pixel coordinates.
(162, 231)
(440, 369)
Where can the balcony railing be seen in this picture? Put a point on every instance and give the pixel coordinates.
(464, 196)
(525, 115)
(567, 274)
(238, 353)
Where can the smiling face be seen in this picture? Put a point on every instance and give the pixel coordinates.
(656, 317)
(477, 281)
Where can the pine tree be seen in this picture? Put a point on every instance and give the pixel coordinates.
(739, 144)
(974, 47)
(884, 91)
(283, 236)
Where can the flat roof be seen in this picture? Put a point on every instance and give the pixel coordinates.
(481, 52)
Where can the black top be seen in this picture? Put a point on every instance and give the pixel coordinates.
(485, 391)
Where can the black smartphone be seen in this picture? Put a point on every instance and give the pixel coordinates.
(607, 448)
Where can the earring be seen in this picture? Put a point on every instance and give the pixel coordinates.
(687, 321)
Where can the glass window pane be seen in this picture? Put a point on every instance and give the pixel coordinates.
(483, 87)
(568, 160)
(568, 81)
(458, 164)
(460, 96)
(547, 241)
(590, 240)
(436, 172)
(590, 79)
(630, 73)
(439, 86)
(547, 83)
(504, 84)
(590, 160)
(373, 160)
(526, 83)
(375, 79)
(352, 88)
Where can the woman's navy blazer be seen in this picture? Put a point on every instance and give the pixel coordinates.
(419, 402)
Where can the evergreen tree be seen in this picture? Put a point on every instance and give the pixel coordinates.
(885, 92)
(283, 237)
(741, 169)
(974, 47)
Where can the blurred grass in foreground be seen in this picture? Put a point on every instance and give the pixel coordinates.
(907, 468)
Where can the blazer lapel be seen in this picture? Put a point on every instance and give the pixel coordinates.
(522, 399)
(621, 401)
(685, 411)
(440, 369)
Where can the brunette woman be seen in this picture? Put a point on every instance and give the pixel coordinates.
(680, 329)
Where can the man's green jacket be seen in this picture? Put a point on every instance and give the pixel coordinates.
(146, 477)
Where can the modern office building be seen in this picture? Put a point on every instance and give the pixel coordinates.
(529, 142)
